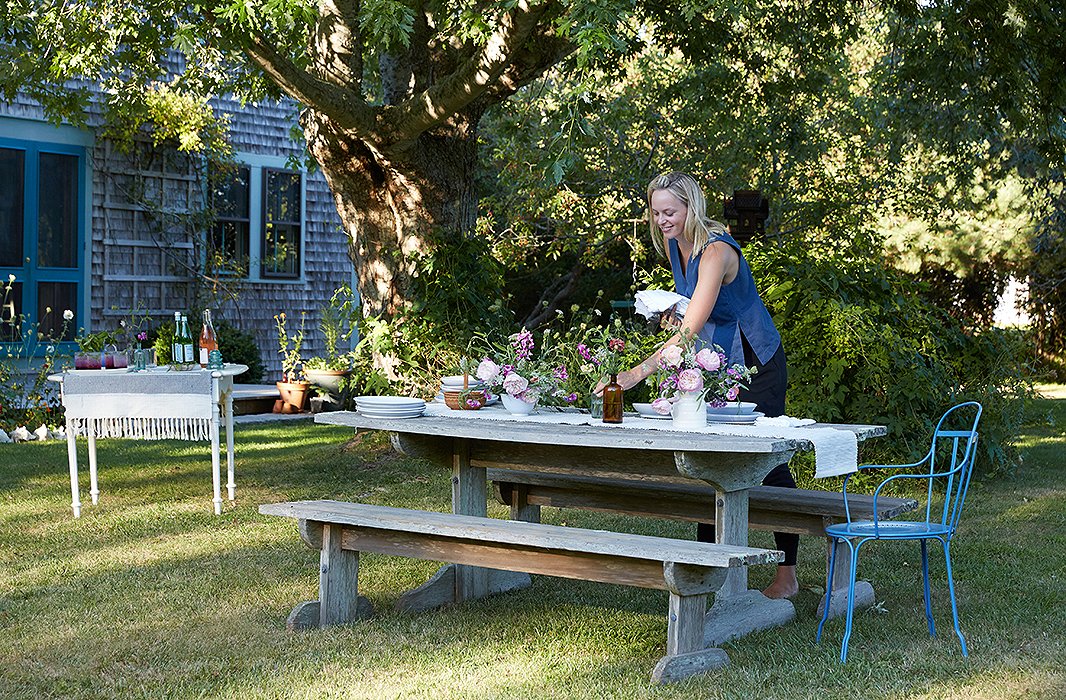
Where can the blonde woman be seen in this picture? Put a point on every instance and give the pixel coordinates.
(726, 310)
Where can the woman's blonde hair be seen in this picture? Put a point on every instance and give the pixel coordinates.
(699, 229)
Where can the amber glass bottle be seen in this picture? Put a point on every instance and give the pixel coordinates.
(612, 401)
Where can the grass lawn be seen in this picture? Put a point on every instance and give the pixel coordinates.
(149, 595)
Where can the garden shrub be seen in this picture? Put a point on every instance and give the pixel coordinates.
(240, 348)
(864, 347)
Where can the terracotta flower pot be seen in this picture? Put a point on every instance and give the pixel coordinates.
(293, 396)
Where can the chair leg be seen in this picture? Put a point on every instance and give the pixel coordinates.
(951, 591)
(851, 598)
(925, 585)
(828, 590)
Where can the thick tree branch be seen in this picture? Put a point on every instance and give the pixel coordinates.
(439, 102)
(343, 106)
(336, 44)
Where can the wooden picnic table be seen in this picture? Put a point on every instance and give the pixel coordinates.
(732, 464)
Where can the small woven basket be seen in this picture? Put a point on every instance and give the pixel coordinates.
(455, 400)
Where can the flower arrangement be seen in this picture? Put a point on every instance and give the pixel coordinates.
(524, 377)
(704, 372)
(601, 354)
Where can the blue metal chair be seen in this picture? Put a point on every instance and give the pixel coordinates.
(947, 467)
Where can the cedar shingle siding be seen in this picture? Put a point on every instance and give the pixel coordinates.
(140, 256)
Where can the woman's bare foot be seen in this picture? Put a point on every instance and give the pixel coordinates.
(784, 585)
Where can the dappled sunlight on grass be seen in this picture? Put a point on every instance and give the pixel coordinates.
(151, 595)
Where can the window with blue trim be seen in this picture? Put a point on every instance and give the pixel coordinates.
(257, 232)
(42, 194)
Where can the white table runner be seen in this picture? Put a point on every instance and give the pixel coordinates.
(835, 450)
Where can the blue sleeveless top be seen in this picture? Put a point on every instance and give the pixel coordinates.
(739, 309)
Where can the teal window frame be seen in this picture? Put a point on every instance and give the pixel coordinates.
(30, 274)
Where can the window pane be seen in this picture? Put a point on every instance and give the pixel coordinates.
(53, 298)
(229, 195)
(11, 312)
(12, 185)
(57, 218)
(281, 224)
(229, 237)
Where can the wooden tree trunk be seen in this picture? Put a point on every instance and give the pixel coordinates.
(390, 201)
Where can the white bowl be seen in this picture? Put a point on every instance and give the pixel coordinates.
(733, 408)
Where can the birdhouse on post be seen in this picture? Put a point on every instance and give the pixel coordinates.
(746, 213)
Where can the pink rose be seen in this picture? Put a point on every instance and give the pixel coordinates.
(690, 380)
(487, 369)
(662, 406)
(671, 355)
(708, 360)
(515, 384)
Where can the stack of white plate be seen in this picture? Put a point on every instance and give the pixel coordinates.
(737, 412)
(389, 406)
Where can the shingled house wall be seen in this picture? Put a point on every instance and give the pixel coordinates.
(135, 261)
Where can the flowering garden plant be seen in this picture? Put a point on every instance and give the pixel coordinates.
(524, 377)
(685, 370)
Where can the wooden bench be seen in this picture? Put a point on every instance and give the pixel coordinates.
(800, 511)
(688, 570)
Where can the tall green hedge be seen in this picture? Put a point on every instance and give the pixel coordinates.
(864, 347)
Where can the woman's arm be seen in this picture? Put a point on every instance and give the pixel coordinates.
(715, 264)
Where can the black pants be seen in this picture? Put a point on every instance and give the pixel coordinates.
(767, 391)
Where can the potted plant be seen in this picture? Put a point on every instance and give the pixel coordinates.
(337, 322)
(293, 387)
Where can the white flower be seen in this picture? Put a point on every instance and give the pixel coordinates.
(672, 355)
(515, 384)
(68, 315)
(708, 359)
(10, 278)
(487, 369)
(662, 406)
(690, 380)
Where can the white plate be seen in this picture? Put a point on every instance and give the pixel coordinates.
(735, 408)
(745, 419)
(389, 401)
(655, 416)
(391, 411)
(375, 413)
(646, 411)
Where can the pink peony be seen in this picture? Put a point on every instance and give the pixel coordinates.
(662, 406)
(672, 355)
(708, 360)
(690, 380)
(487, 369)
(515, 384)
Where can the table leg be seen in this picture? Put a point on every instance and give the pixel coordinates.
(738, 611)
(231, 485)
(216, 461)
(94, 490)
(455, 583)
(469, 497)
(72, 461)
(731, 527)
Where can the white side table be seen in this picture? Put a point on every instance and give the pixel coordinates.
(155, 404)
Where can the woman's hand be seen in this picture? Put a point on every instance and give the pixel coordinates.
(628, 379)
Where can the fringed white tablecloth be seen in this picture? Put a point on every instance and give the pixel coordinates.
(139, 406)
(836, 451)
